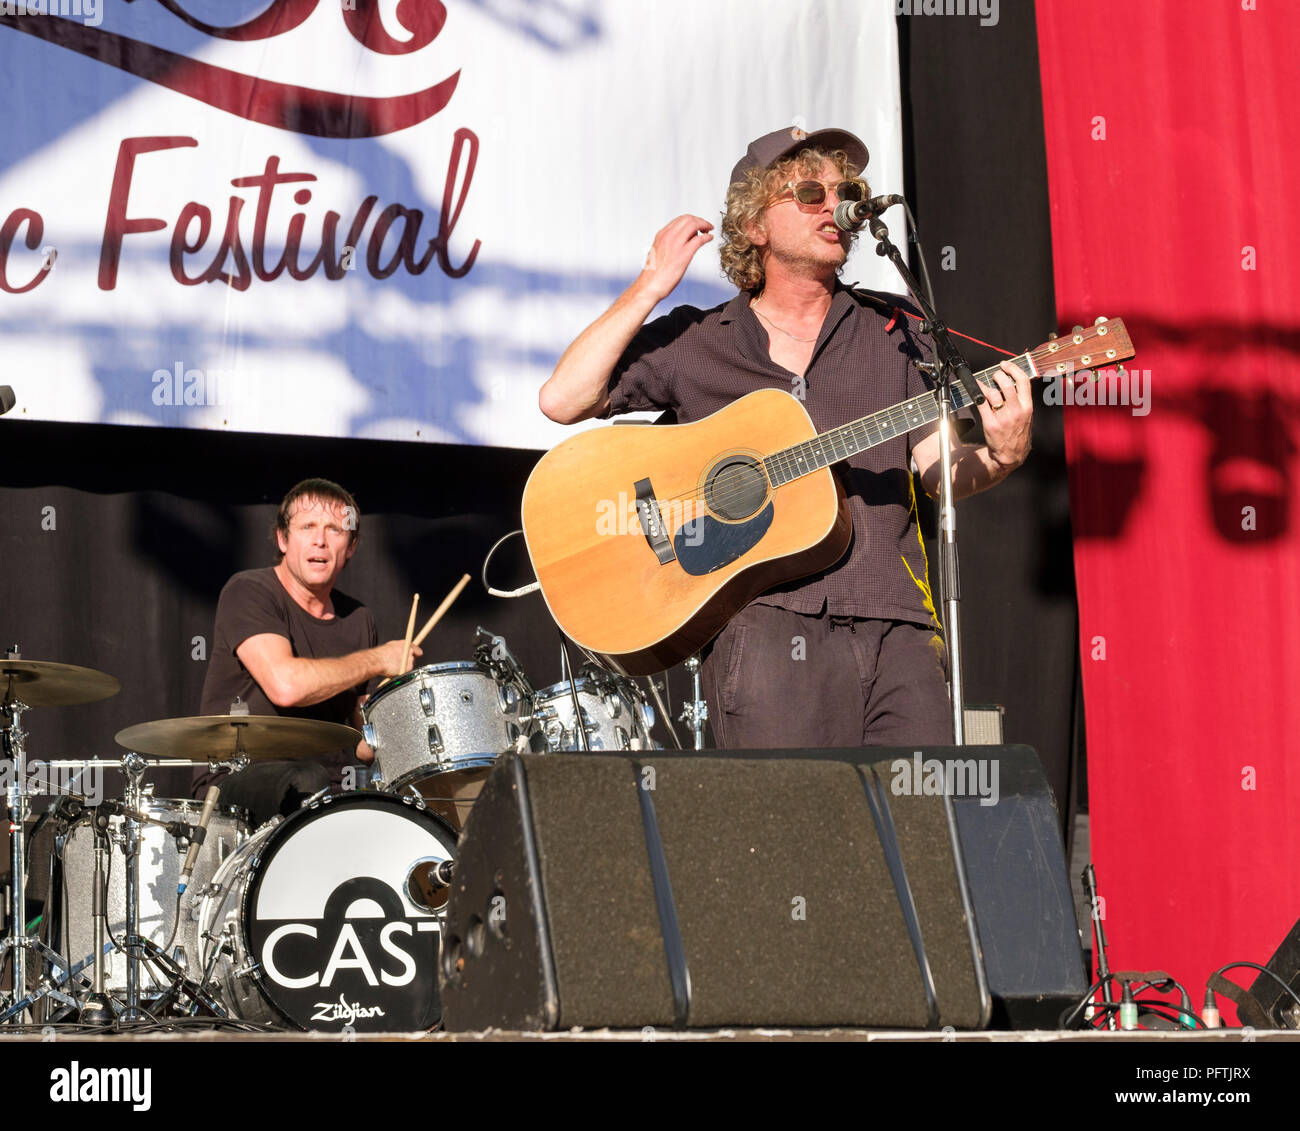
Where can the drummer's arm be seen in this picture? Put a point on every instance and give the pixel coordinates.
(297, 681)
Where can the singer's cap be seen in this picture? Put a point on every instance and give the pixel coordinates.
(784, 142)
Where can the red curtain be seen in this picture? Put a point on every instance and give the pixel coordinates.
(1173, 148)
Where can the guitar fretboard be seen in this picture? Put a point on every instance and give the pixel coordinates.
(859, 435)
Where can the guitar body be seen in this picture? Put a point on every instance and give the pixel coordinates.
(724, 533)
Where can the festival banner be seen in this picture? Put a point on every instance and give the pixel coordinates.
(373, 219)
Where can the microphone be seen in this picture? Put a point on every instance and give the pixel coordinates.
(850, 215)
(7, 398)
(197, 837)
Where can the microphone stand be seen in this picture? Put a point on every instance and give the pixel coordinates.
(949, 363)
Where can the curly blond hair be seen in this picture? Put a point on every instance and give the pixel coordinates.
(742, 259)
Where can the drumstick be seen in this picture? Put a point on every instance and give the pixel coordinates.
(437, 613)
(410, 627)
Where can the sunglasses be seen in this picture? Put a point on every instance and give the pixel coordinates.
(809, 195)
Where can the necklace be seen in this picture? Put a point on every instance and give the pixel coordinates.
(754, 307)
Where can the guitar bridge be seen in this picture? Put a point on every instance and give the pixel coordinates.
(652, 522)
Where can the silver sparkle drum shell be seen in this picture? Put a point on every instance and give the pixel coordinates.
(615, 715)
(443, 718)
(161, 861)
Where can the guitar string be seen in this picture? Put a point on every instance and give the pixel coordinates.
(728, 486)
(896, 418)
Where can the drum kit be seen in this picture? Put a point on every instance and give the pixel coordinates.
(326, 919)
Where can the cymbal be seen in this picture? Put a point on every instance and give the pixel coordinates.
(217, 738)
(41, 684)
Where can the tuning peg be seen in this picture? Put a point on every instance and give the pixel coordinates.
(1077, 330)
(1120, 371)
(1052, 336)
(1100, 319)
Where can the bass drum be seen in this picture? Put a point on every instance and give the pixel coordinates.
(327, 919)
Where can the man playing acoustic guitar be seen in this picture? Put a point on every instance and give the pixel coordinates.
(849, 656)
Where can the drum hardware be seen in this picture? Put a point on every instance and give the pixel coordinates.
(124, 825)
(428, 883)
(25, 684)
(493, 651)
(223, 947)
(579, 725)
(133, 767)
(695, 712)
(98, 1008)
(232, 766)
(657, 689)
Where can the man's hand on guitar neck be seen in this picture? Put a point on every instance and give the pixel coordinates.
(578, 388)
(976, 467)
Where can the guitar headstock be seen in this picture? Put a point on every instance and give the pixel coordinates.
(1105, 342)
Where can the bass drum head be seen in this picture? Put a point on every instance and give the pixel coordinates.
(330, 920)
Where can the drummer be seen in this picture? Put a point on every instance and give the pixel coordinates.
(286, 642)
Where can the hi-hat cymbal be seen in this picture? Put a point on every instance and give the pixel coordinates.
(38, 683)
(218, 738)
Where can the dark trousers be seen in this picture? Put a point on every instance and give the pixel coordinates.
(774, 678)
(268, 789)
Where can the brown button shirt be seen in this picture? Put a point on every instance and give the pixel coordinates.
(695, 362)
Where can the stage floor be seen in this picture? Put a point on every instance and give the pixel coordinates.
(690, 1036)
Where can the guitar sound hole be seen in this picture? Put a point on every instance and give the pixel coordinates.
(736, 488)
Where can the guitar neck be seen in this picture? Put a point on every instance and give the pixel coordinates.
(859, 435)
(1105, 342)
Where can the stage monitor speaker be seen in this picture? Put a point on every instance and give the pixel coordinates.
(1280, 1007)
(743, 889)
(1020, 888)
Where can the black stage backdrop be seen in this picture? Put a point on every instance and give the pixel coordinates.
(116, 541)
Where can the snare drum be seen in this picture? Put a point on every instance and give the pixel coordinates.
(615, 713)
(161, 860)
(327, 918)
(439, 728)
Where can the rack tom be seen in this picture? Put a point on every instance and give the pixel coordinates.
(438, 729)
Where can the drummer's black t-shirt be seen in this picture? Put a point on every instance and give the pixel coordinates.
(254, 602)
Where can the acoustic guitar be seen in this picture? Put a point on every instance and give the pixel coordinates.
(647, 540)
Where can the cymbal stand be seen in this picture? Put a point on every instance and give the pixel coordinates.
(138, 948)
(133, 766)
(695, 713)
(19, 941)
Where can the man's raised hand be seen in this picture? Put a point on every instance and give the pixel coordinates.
(671, 253)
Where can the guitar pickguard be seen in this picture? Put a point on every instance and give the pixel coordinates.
(704, 544)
